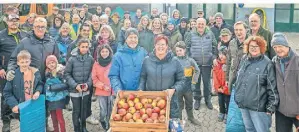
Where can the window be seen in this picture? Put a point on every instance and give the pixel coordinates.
(227, 11)
(41, 9)
(296, 6)
(283, 6)
(211, 10)
(282, 16)
(296, 16)
(183, 8)
(24, 9)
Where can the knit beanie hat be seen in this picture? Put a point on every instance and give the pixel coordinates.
(279, 39)
(51, 58)
(218, 14)
(184, 19)
(225, 31)
(130, 31)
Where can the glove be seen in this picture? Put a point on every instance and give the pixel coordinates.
(10, 75)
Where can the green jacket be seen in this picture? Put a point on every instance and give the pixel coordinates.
(174, 37)
(3, 24)
(268, 37)
(146, 40)
(116, 28)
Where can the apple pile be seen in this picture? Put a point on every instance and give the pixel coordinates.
(142, 110)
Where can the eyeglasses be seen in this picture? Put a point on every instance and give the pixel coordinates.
(161, 45)
(253, 47)
(13, 21)
(40, 27)
(254, 21)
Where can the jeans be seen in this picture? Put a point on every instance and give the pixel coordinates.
(187, 98)
(57, 118)
(205, 74)
(77, 118)
(256, 121)
(284, 123)
(105, 108)
(223, 101)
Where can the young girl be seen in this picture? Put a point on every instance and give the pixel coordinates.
(56, 91)
(78, 76)
(220, 85)
(191, 72)
(101, 82)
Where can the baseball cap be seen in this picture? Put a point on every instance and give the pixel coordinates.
(13, 16)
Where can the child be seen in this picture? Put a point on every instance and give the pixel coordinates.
(220, 84)
(78, 76)
(191, 72)
(26, 85)
(56, 91)
(100, 71)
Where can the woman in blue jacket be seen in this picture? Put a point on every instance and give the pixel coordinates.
(126, 63)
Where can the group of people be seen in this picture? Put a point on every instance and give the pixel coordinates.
(78, 55)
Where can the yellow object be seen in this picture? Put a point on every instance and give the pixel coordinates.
(188, 72)
(265, 17)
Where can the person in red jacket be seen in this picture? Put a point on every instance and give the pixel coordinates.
(101, 82)
(220, 85)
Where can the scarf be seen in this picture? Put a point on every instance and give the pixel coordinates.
(104, 62)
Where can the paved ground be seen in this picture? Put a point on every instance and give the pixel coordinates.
(207, 118)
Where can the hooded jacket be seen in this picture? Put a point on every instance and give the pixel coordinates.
(174, 37)
(256, 84)
(63, 44)
(121, 36)
(146, 39)
(176, 21)
(14, 90)
(216, 30)
(116, 28)
(39, 50)
(126, 68)
(78, 71)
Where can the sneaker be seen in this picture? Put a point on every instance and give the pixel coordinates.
(209, 105)
(69, 107)
(92, 120)
(49, 129)
(194, 121)
(225, 118)
(221, 117)
(196, 104)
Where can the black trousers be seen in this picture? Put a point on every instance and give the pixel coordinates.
(223, 101)
(284, 123)
(77, 111)
(5, 110)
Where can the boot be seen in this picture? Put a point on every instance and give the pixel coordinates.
(6, 126)
(103, 124)
(191, 117)
(196, 104)
(209, 105)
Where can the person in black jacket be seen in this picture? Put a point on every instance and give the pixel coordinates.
(9, 40)
(78, 76)
(219, 25)
(256, 92)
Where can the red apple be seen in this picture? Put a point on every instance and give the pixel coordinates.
(142, 111)
(136, 116)
(156, 110)
(149, 111)
(148, 106)
(126, 106)
(144, 101)
(117, 117)
(128, 116)
(162, 118)
(138, 106)
(144, 117)
(162, 112)
(122, 112)
(155, 116)
(131, 96)
(149, 120)
(161, 103)
(124, 119)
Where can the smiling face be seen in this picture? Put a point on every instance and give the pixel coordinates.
(161, 47)
(39, 28)
(83, 48)
(156, 24)
(65, 30)
(180, 51)
(281, 51)
(254, 49)
(145, 22)
(127, 23)
(13, 24)
(24, 63)
(170, 27)
(52, 65)
(132, 41)
(58, 22)
(254, 22)
(240, 31)
(176, 15)
(104, 53)
(201, 24)
(105, 34)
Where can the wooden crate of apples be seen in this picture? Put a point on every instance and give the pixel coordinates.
(146, 111)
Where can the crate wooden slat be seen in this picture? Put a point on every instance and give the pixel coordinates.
(119, 126)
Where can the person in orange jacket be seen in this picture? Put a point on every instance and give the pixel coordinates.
(101, 83)
(220, 85)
